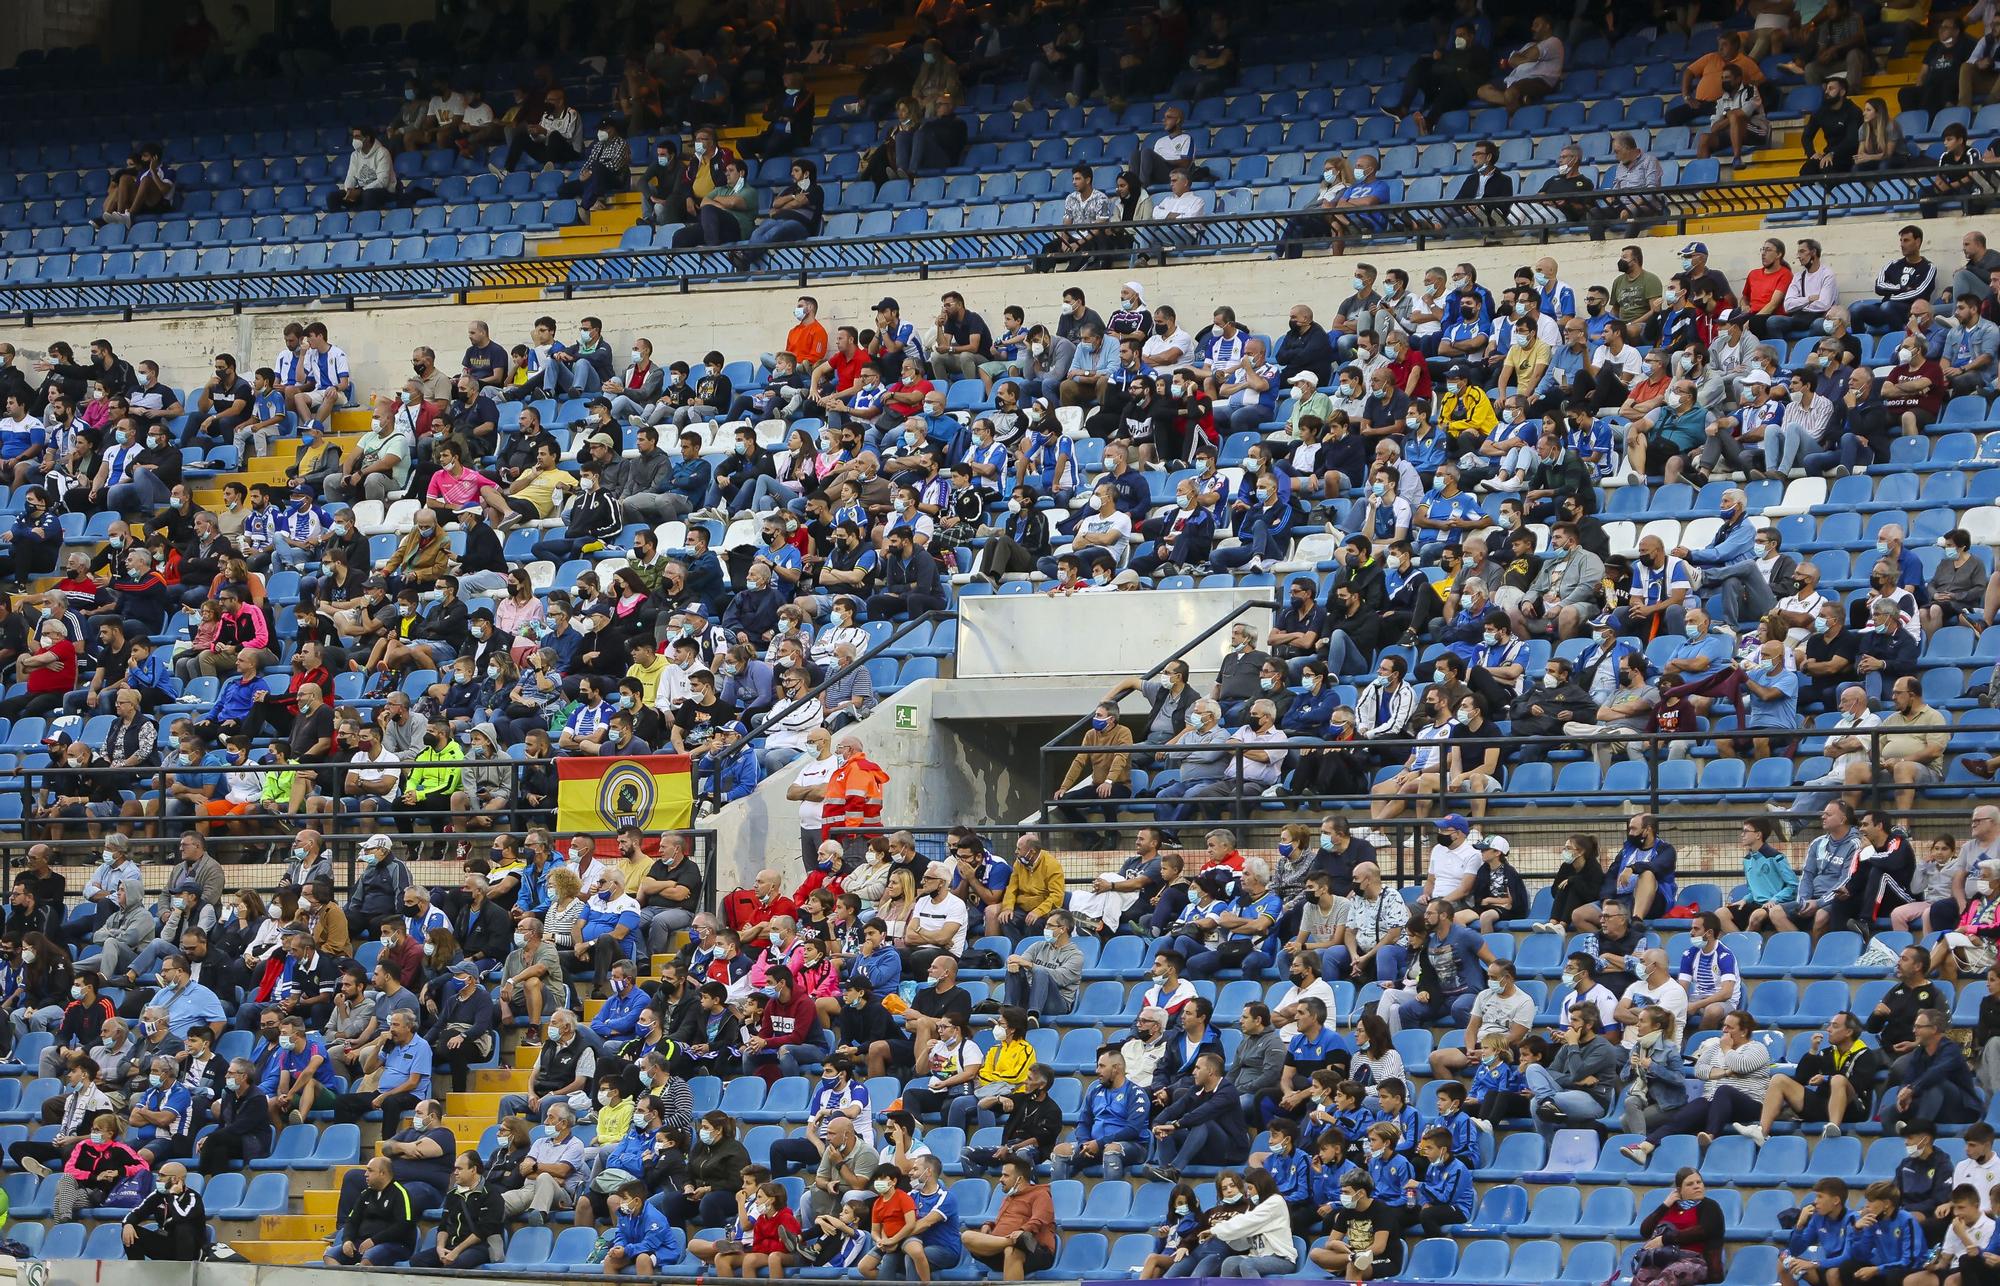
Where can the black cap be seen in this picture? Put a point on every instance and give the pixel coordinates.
(888, 301)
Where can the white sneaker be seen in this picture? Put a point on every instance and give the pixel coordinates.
(1754, 1133)
(1483, 1125)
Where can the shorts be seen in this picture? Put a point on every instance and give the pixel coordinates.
(1975, 955)
(942, 1257)
(1040, 1259)
(223, 808)
(1814, 1107)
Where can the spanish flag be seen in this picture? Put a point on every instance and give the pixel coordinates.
(652, 792)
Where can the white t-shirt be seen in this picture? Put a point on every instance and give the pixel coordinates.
(1187, 205)
(1982, 1175)
(816, 772)
(1254, 773)
(929, 914)
(1118, 522)
(1294, 994)
(1669, 995)
(1546, 64)
(452, 105)
(1496, 1013)
(1982, 1231)
(1156, 344)
(1174, 147)
(1626, 361)
(478, 114)
(1451, 866)
(1598, 995)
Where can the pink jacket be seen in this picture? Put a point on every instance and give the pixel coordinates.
(773, 955)
(87, 1160)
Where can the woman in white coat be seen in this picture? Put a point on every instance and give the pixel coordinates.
(1256, 1243)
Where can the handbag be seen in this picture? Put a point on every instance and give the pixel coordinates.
(129, 1191)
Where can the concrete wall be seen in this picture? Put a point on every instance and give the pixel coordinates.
(746, 320)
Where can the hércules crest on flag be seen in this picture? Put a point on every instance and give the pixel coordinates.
(652, 792)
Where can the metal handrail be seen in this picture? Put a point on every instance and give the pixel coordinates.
(1416, 224)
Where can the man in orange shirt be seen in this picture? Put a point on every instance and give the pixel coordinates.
(1701, 80)
(806, 341)
(1022, 1238)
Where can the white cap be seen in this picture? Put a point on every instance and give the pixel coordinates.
(377, 841)
(1497, 843)
(1307, 378)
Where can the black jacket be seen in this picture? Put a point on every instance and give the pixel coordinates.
(1034, 1120)
(475, 1213)
(386, 1217)
(180, 1215)
(486, 934)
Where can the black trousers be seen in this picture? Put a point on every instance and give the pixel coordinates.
(354, 1106)
(179, 1246)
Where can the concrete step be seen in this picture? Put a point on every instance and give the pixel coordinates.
(280, 1252)
(294, 1227)
(499, 1080)
(323, 1203)
(578, 241)
(478, 1105)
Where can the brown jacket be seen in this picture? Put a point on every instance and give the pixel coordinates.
(1101, 765)
(420, 560)
(1030, 1208)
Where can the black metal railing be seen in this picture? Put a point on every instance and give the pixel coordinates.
(264, 835)
(1416, 225)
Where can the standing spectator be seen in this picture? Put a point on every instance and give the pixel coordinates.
(1701, 80)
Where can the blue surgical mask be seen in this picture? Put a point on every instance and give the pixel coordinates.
(1692, 632)
(1440, 675)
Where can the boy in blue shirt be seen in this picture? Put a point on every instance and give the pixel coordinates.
(1393, 1107)
(1499, 1087)
(644, 1238)
(267, 416)
(1819, 1238)
(1352, 1116)
(1328, 1166)
(1390, 1178)
(1444, 1196)
(1458, 1127)
(1884, 1237)
(1291, 1169)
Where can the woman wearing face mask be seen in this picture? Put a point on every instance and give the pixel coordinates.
(1683, 1236)
(1174, 1240)
(714, 1176)
(1018, 543)
(1253, 1240)
(1734, 1073)
(1658, 1088)
(95, 1166)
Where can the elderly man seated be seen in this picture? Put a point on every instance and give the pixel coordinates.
(1910, 754)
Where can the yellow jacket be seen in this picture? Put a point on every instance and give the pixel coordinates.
(1008, 1062)
(1463, 412)
(1037, 891)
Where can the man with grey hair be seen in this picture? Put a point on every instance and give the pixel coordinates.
(242, 1120)
(1728, 563)
(1250, 923)
(1202, 762)
(160, 1122)
(1669, 435)
(1046, 976)
(551, 1173)
(530, 978)
(566, 1066)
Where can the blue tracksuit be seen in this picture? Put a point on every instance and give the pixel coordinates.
(1465, 1135)
(1448, 1183)
(1388, 1179)
(1292, 1172)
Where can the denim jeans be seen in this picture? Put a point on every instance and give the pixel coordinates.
(1034, 988)
(1575, 1106)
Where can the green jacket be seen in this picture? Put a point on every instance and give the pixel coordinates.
(433, 777)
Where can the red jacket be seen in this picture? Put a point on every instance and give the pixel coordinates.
(788, 1024)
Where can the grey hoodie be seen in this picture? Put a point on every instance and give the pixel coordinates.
(132, 924)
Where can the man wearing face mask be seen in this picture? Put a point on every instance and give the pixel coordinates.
(169, 1224)
(371, 182)
(463, 1032)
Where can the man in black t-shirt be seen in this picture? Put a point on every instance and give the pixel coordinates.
(670, 894)
(961, 342)
(485, 361)
(1365, 1242)
(943, 996)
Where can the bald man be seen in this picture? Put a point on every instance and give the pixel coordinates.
(170, 1224)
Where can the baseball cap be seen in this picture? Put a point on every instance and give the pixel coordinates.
(1699, 247)
(604, 440)
(377, 841)
(465, 969)
(376, 582)
(1728, 315)
(887, 301)
(1603, 621)
(1754, 376)
(1498, 843)
(735, 726)
(1453, 822)
(1306, 378)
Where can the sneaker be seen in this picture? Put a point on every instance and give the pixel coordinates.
(1636, 1153)
(1547, 1112)
(35, 1167)
(496, 172)
(1483, 1125)
(1163, 1173)
(1754, 1133)
(1830, 1132)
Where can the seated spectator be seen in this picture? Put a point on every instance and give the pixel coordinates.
(552, 138)
(1838, 43)
(1738, 121)
(1702, 80)
(141, 186)
(1529, 74)
(606, 170)
(725, 215)
(371, 182)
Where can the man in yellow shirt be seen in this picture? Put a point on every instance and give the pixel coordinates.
(648, 664)
(1527, 358)
(1034, 889)
(533, 495)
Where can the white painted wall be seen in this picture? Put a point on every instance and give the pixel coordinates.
(745, 320)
